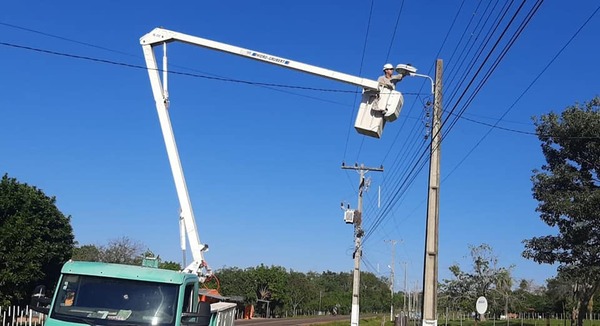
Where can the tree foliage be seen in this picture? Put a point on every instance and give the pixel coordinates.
(86, 253)
(486, 278)
(567, 189)
(120, 251)
(170, 265)
(293, 293)
(35, 240)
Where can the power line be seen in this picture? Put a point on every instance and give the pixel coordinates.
(518, 99)
(420, 162)
(457, 67)
(402, 156)
(495, 64)
(495, 126)
(129, 65)
(362, 59)
(488, 37)
(174, 65)
(67, 39)
(526, 90)
(387, 57)
(482, 64)
(511, 42)
(413, 139)
(415, 162)
(437, 55)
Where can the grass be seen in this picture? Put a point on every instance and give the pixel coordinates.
(365, 321)
(376, 321)
(517, 322)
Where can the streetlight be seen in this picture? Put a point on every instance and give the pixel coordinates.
(408, 70)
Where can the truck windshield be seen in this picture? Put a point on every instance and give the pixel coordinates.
(110, 301)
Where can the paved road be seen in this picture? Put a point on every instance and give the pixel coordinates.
(293, 321)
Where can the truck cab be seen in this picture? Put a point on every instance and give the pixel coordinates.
(93, 293)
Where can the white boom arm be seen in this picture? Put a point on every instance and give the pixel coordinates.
(378, 105)
(160, 36)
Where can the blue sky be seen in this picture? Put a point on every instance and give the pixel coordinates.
(263, 164)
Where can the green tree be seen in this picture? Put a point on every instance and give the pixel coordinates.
(291, 292)
(122, 251)
(503, 290)
(455, 293)
(235, 281)
(487, 279)
(35, 240)
(558, 294)
(375, 293)
(86, 253)
(270, 284)
(336, 291)
(170, 265)
(567, 189)
(298, 291)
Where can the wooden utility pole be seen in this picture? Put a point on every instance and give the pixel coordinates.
(358, 233)
(430, 269)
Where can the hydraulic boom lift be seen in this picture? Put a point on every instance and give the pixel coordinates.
(378, 105)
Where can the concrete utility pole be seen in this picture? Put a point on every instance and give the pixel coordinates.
(404, 305)
(430, 269)
(393, 242)
(358, 233)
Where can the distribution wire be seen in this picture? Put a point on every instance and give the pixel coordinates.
(387, 57)
(362, 59)
(413, 141)
(66, 39)
(410, 109)
(533, 10)
(456, 67)
(129, 65)
(474, 59)
(174, 65)
(422, 162)
(405, 149)
(490, 70)
(402, 157)
(495, 126)
(462, 36)
(496, 63)
(422, 85)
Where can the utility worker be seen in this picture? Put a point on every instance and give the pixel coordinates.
(387, 80)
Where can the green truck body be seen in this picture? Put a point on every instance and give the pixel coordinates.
(92, 293)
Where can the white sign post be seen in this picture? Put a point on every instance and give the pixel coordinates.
(481, 305)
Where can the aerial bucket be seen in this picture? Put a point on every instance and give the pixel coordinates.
(377, 107)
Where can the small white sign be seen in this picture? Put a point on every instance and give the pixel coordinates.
(481, 305)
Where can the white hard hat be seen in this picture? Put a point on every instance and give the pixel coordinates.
(388, 66)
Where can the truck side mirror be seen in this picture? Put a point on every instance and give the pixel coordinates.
(39, 301)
